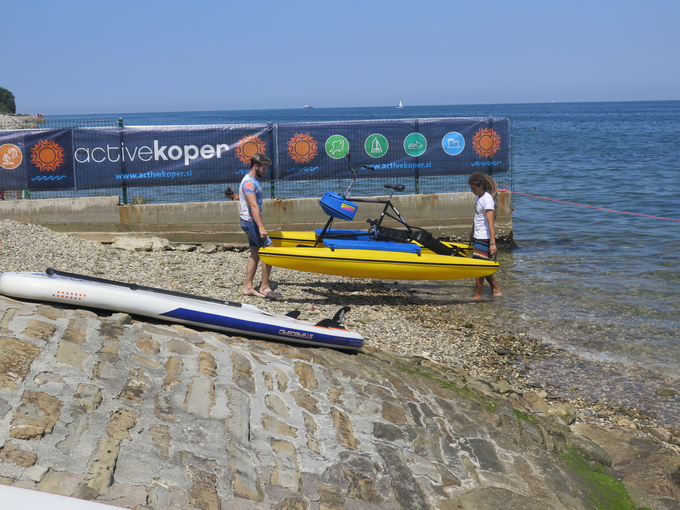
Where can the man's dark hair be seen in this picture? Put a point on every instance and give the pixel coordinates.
(259, 159)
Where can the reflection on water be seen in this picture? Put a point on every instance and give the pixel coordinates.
(563, 299)
(620, 347)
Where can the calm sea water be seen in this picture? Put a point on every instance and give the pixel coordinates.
(603, 285)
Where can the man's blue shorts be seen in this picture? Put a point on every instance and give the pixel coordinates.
(253, 233)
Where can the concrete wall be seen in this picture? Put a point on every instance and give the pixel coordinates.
(447, 215)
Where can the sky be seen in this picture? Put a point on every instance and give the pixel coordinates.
(76, 56)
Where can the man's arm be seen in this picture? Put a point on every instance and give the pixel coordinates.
(255, 214)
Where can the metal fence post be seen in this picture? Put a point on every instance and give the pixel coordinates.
(125, 200)
(272, 181)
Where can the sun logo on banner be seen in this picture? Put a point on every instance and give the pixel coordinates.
(486, 142)
(246, 147)
(10, 156)
(302, 148)
(47, 155)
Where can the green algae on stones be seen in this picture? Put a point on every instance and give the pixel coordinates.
(605, 491)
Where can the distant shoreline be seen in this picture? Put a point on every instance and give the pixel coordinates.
(20, 121)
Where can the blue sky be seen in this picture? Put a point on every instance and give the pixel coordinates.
(76, 56)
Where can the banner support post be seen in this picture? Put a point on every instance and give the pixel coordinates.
(125, 200)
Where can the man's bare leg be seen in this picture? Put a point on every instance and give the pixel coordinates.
(266, 271)
(251, 269)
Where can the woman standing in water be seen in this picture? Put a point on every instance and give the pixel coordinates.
(483, 232)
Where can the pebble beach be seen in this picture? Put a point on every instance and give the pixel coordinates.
(394, 316)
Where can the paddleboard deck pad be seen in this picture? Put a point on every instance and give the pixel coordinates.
(232, 317)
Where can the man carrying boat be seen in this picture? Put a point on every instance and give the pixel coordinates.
(250, 198)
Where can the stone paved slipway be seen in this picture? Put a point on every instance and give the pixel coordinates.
(153, 415)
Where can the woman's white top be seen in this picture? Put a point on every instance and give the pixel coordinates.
(483, 204)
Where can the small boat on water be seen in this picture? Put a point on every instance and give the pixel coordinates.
(290, 239)
(400, 105)
(308, 106)
(232, 317)
(353, 253)
(408, 253)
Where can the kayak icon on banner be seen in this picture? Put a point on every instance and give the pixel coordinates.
(453, 143)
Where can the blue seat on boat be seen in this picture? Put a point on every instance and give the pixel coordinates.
(350, 244)
(343, 233)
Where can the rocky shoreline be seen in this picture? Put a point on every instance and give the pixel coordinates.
(20, 121)
(434, 413)
(389, 315)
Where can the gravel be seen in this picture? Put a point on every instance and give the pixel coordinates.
(396, 316)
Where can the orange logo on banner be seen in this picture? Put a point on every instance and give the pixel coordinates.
(246, 147)
(486, 142)
(47, 156)
(10, 156)
(302, 148)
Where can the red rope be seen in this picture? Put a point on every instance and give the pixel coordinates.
(590, 206)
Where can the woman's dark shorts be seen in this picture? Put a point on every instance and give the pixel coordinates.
(481, 250)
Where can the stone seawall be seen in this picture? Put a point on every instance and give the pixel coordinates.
(103, 219)
(157, 416)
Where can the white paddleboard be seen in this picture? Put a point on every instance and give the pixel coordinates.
(232, 317)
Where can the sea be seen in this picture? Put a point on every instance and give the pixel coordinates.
(596, 268)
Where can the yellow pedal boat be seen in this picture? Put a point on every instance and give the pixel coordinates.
(355, 255)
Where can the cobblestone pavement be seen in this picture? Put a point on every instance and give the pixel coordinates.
(154, 415)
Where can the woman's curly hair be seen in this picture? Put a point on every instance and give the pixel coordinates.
(488, 184)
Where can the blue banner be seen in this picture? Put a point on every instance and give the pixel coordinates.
(158, 156)
(82, 158)
(36, 160)
(310, 151)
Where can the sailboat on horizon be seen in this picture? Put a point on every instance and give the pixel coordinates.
(400, 105)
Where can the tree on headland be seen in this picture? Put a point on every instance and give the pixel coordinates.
(7, 103)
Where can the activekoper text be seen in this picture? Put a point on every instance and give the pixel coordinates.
(115, 153)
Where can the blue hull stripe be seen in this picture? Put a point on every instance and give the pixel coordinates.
(258, 328)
